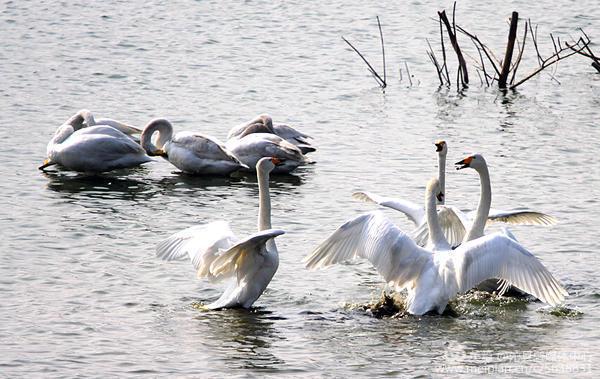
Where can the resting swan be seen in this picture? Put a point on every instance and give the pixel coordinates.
(433, 277)
(264, 124)
(455, 222)
(249, 263)
(192, 153)
(93, 149)
(252, 147)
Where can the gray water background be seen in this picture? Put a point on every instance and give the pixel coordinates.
(81, 293)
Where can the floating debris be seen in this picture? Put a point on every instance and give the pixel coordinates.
(200, 306)
(561, 311)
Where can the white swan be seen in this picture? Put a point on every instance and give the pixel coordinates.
(249, 264)
(263, 123)
(433, 277)
(93, 149)
(252, 147)
(455, 222)
(192, 153)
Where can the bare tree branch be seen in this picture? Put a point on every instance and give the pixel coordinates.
(512, 35)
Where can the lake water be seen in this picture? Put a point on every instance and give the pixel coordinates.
(82, 293)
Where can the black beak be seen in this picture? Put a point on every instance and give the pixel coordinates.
(440, 197)
(462, 164)
(438, 147)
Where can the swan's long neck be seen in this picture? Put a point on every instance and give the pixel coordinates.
(70, 126)
(442, 175)
(165, 133)
(264, 205)
(483, 208)
(436, 235)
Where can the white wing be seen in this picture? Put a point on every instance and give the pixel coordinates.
(371, 236)
(521, 217)
(120, 126)
(498, 256)
(201, 244)
(453, 222)
(414, 212)
(244, 256)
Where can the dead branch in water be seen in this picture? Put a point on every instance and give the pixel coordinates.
(578, 47)
(590, 54)
(507, 68)
(463, 73)
(381, 81)
(510, 46)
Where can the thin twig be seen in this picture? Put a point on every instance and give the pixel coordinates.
(408, 73)
(382, 52)
(521, 50)
(534, 39)
(433, 59)
(378, 78)
(556, 57)
(443, 49)
(484, 48)
(485, 74)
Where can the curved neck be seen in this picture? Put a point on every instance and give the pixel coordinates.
(61, 134)
(77, 120)
(165, 132)
(256, 128)
(436, 235)
(483, 208)
(264, 205)
(442, 175)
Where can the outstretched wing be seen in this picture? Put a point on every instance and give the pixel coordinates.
(371, 236)
(453, 223)
(201, 244)
(244, 256)
(414, 212)
(521, 217)
(499, 256)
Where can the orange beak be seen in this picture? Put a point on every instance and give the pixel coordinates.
(276, 161)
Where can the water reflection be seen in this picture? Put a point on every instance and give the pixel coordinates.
(245, 336)
(97, 186)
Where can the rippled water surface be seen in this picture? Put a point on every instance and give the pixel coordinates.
(81, 292)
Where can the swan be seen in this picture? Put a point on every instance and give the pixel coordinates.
(80, 147)
(263, 123)
(454, 221)
(249, 263)
(192, 153)
(252, 147)
(433, 277)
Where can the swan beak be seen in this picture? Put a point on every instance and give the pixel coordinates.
(46, 163)
(440, 196)
(439, 145)
(464, 163)
(277, 161)
(160, 153)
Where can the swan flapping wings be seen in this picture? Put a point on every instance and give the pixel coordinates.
(371, 236)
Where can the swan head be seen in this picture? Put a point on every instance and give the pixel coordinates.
(475, 161)
(435, 189)
(267, 164)
(441, 147)
(266, 120)
(165, 133)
